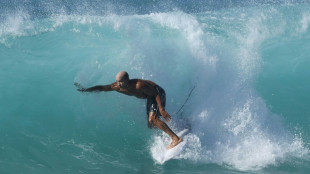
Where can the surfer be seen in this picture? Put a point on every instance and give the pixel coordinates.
(144, 89)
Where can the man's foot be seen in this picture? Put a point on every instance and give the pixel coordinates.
(174, 143)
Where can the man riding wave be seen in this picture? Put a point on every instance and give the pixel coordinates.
(144, 89)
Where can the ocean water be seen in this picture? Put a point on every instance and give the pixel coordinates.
(247, 63)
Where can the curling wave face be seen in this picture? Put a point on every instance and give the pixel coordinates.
(234, 57)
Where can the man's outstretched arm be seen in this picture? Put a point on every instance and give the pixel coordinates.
(97, 88)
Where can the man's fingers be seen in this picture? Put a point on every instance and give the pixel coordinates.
(167, 117)
(81, 90)
(77, 85)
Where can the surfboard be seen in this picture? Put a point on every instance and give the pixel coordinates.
(175, 151)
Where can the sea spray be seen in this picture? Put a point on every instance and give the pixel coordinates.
(232, 123)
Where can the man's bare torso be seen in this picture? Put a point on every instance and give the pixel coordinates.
(138, 88)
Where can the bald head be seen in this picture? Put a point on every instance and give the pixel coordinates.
(122, 75)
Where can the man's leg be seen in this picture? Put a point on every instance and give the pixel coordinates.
(154, 120)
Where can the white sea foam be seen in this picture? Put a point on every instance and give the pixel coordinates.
(304, 22)
(190, 28)
(14, 25)
(230, 123)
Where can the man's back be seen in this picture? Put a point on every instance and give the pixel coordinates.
(137, 87)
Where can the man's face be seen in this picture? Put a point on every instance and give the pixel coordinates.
(122, 83)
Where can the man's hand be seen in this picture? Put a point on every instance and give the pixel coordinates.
(80, 88)
(165, 115)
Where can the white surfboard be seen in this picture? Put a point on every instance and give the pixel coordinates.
(159, 149)
(175, 151)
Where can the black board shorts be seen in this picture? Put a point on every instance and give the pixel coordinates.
(151, 104)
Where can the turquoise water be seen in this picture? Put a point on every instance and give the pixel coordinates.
(249, 111)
